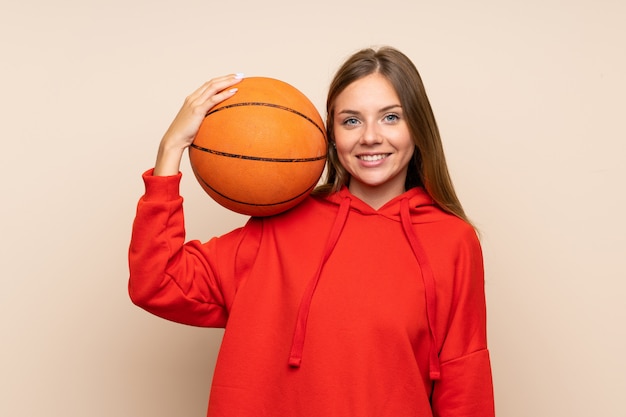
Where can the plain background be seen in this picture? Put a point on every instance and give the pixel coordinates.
(530, 99)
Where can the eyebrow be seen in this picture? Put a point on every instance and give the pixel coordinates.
(384, 109)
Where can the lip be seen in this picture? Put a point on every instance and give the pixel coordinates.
(372, 159)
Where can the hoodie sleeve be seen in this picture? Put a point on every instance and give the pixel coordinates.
(189, 283)
(465, 388)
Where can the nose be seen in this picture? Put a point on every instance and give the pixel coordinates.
(371, 134)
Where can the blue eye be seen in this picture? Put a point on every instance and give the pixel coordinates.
(391, 117)
(351, 121)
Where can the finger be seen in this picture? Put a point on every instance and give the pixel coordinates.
(221, 96)
(215, 86)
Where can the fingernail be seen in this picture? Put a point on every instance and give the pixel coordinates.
(239, 75)
(233, 90)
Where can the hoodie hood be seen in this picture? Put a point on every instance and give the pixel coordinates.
(413, 206)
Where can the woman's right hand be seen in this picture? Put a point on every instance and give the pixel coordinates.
(185, 125)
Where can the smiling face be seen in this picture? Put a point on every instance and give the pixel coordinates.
(372, 139)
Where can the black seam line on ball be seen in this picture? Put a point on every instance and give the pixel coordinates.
(256, 158)
(277, 106)
(256, 204)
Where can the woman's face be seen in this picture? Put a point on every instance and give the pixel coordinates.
(372, 139)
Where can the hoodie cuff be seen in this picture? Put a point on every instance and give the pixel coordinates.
(161, 188)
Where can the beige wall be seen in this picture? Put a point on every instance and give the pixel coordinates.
(530, 97)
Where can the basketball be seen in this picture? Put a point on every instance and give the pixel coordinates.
(261, 151)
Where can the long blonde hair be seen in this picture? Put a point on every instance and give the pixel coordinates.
(428, 167)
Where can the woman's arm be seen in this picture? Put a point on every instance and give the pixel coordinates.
(168, 277)
(184, 128)
(465, 388)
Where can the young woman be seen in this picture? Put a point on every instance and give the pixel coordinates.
(367, 299)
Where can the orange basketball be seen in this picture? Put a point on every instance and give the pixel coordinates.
(262, 151)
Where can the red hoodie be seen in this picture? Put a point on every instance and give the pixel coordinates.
(331, 308)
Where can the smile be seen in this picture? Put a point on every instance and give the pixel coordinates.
(371, 158)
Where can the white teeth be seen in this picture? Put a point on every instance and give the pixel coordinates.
(371, 158)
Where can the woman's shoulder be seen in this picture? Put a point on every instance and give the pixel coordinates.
(308, 210)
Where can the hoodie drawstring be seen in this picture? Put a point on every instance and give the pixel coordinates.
(295, 357)
(429, 285)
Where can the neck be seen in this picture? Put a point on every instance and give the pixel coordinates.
(374, 196)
